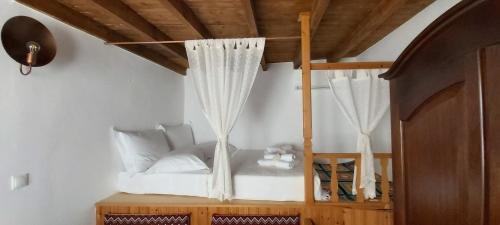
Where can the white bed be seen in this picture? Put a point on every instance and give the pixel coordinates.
(250, 181)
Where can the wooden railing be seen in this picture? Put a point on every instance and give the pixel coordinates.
(384, 162)
(307, 66)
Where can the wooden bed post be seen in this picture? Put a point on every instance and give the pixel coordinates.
(305, 26)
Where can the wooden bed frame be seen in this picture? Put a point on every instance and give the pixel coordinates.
(359, 212)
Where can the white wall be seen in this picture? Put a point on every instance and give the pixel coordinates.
(393, 44)
(54, 124)
(273, 113)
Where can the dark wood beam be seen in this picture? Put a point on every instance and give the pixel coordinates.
(249, 9)
(378, 15)
(318, 10)
(182, 12)
(79, 21)
(126, 15)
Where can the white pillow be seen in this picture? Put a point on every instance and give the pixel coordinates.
(181, 160)
(178, 136)
(139, 150)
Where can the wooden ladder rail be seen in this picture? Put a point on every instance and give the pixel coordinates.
(333, 157)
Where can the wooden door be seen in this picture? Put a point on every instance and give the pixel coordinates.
(441, 145)
(449, 144)
(445, 112)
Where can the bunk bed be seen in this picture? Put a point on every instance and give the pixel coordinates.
(204, 211)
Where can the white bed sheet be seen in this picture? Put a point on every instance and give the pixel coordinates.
(250, 181)
(253, 182)
(187, 183)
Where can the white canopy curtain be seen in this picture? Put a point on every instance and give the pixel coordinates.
(223, 72)
(363, 99)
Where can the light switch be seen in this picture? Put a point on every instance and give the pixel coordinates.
(19, 181)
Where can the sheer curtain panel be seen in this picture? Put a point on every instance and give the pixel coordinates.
(363, 99)
(223, 73)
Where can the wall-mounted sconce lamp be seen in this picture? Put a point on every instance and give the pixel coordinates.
(28, 42)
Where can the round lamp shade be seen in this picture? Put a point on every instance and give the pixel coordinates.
(18, 32)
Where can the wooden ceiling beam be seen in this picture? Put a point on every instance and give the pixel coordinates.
(318, 10)
(128, 16)
(383, 11)
(75, 19)
(249, 9)
(182, 11)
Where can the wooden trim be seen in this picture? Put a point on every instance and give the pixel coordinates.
(306, 106)
(201, 213)
(379, 14)
(375, 205)
(398, 168)
(377, 155)
(334, 183)
(139, 200)
(182, 12)
(318, 10)
(75, 19)
(360, 197)
(249, 8)
(128, 16)
(351, 65)
(385, 180)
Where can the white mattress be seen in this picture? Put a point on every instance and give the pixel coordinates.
(188, 183)
(250, 181)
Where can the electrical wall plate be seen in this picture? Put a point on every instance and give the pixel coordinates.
(19, 181)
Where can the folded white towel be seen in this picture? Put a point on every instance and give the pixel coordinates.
(273, 156)
(288, 157)
(276, 163)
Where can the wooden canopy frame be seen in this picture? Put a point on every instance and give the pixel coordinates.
(309, 156)
(311, 212)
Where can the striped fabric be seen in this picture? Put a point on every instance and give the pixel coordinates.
(255, 220)
(146, 219)
(345, 174)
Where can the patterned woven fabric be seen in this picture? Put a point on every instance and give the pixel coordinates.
(345, 174)
(255, 220)
(146, 220)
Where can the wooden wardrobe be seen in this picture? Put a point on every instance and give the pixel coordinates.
(445, 108)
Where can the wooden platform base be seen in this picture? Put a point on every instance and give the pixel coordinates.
(202, 209)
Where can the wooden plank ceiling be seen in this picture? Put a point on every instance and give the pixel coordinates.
(340, 28)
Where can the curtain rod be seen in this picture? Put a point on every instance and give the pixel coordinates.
(182, 41)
